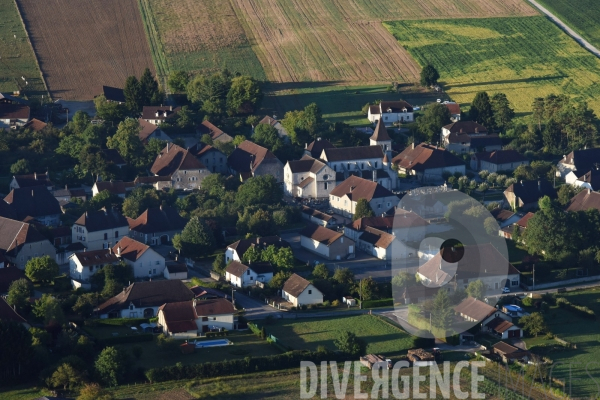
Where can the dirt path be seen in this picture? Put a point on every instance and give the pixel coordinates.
(594, 50)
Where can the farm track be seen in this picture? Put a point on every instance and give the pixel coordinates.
(82, 47)
(578, 38)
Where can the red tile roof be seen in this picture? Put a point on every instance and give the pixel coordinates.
(206, 127)
(295, 285)
(96, 257)
(130, 249)
(454, 108)
(475, 309)
(149, 112)
(466, 127)
(352, 153)
(174, 158)
(358, 188)
(36, 125)
(7, 313)
(14, 111)
(158, 219)
(381, 133)
(501, 157)
(584, 200)
(425, 156)
(316, 147)
(321, 234)
(248, 156)
(148, 294)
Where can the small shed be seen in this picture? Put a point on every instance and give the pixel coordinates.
(420, 357)
(371, 360)
(349, 300)
(175, 270)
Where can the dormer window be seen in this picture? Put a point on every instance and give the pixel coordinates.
(389, 110)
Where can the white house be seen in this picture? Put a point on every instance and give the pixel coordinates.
(236, 251)
(318, 217)
(175, 270)
(405, 225)
(146, 263)
(499, 160)
(489, 318)
(85, 264)
(308, 178)
(13, 116)
(383, 245)
(143, 299)
(427, 162)
(391, 112)
(325, 242)
(240, 275)
(188, 318)
(98, 230)
(345, 196)
(300, 292)
(577, 163)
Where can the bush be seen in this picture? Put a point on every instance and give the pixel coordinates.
(254, 328)
(527, 302)
(326, 303)
(335, 303)
(120, 321)
(217, 334)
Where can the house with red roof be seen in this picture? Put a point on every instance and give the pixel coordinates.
(145, 262)
(427, 162)
(497, 160)
(181, 166)
(391, 112)
(345, 196)
(188, 318)
(249, 160)
(214, 160)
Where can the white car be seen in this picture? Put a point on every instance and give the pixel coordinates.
(505, 290)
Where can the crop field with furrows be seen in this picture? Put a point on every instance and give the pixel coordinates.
(580, 15)
(83, 45)
(17, 60)
(199, 36)
(522, 57)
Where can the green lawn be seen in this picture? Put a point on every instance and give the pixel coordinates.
(245, 344)
(307, 334)
(524, 58)
(16, 55)
(339, 103)
(581, 15)
(25, 392)
(584, 333)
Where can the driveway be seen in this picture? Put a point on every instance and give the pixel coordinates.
(255, 309)
(594, 50)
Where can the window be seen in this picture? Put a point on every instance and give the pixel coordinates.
(309, 291)
(376, 161)
(515, 283)
(154, 271)
(251, 278)
(116, 234)
(149, 272)
(378, 205)
(248, 272)
(325, 185)
(157, 262)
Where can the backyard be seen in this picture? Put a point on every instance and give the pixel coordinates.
(381, 336)
(524, 58)
(584, 333)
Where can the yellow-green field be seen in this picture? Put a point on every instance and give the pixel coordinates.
(522, 57)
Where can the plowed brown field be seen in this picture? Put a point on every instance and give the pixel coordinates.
(344, 40)
(82, 45)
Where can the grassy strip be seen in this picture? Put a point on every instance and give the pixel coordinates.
(156, 47)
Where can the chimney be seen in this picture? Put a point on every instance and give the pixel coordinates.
(109, 250)
(306, 145)
(168, 146)
(119, 251)
(171, 108)
(160, 207)
(35, 176)
(461, 131)
(413, 145)
(32, 192)
(374, 175)
(165, 114)
(157, 114)
(194, 302)
(476, 130)
(257, 240)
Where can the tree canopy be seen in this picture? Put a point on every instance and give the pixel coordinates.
(430, 123)
(429, 75)
(196, 239)
(363, 209)
(481, 110)
(41, 269)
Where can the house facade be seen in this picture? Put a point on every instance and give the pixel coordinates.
(20, 242)
(145, 262)
(156, 115)
(577, 163)
(156, 225)
(308, 178)
(185, 170)
(427, 162)
(526, 194)
(391, 112)
(36, 202)
(249, 160)
(344, 197)
(241, 275)
(189, 318)
(85, 264)
(98, 230)
(13, 115)
(117, 188)
(496, 161)
(383, 245)
(214, 160)
(301, 292)
(325, 242)
(318, 217)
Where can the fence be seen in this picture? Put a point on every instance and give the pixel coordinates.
(562, 283)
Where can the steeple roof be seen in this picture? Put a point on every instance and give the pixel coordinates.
(380, 134)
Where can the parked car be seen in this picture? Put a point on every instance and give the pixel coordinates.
(505, 290)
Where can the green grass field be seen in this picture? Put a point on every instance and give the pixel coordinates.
(307, 334)
(16, 55)
(523, 57)
(585, 334)
(197, 37)
(581, 15)
(339, 103)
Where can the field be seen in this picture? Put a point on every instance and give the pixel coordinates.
(581, 16)
(283, 97)
(198, 36)
(16, 55)
(80, 48)
(522, 57)
(307, 334)
(299, 41)
(582, 332)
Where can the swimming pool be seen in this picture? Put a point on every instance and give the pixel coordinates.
(213, 343)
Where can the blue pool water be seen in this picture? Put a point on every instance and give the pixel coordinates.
(213, 343)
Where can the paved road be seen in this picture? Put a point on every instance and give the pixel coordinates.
(594, 50)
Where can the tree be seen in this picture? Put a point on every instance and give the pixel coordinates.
(210, 92)
(65, 376)
(320, 272)
(49, 309)
(139, 200)
(261, 224)
(259, 190)
(218, 265)
(279, 279)
(491, 226)
(363, 209)
(503, 113)
(476, 289)
(109, 111)
(481, 110)
(127, 142)
(85, 348)
(442, 312)
(85, 304)
(41, 269)
(133, 95)
(403, 280)
(348, 343)
(284, 258)
(253, 254)
(429, 75)
(19, 293)
(244, 95)
(305, 125)
(567, 192)
(435, 117)
(17, 357)
(343, 276)
(196, 239)
(93, 391)
(483, 188)
(533, 324)
(367, 288)
(21, 167)
(267, 136)
(92, 162)
(178, 81)
(111, 366)
(151, 94)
